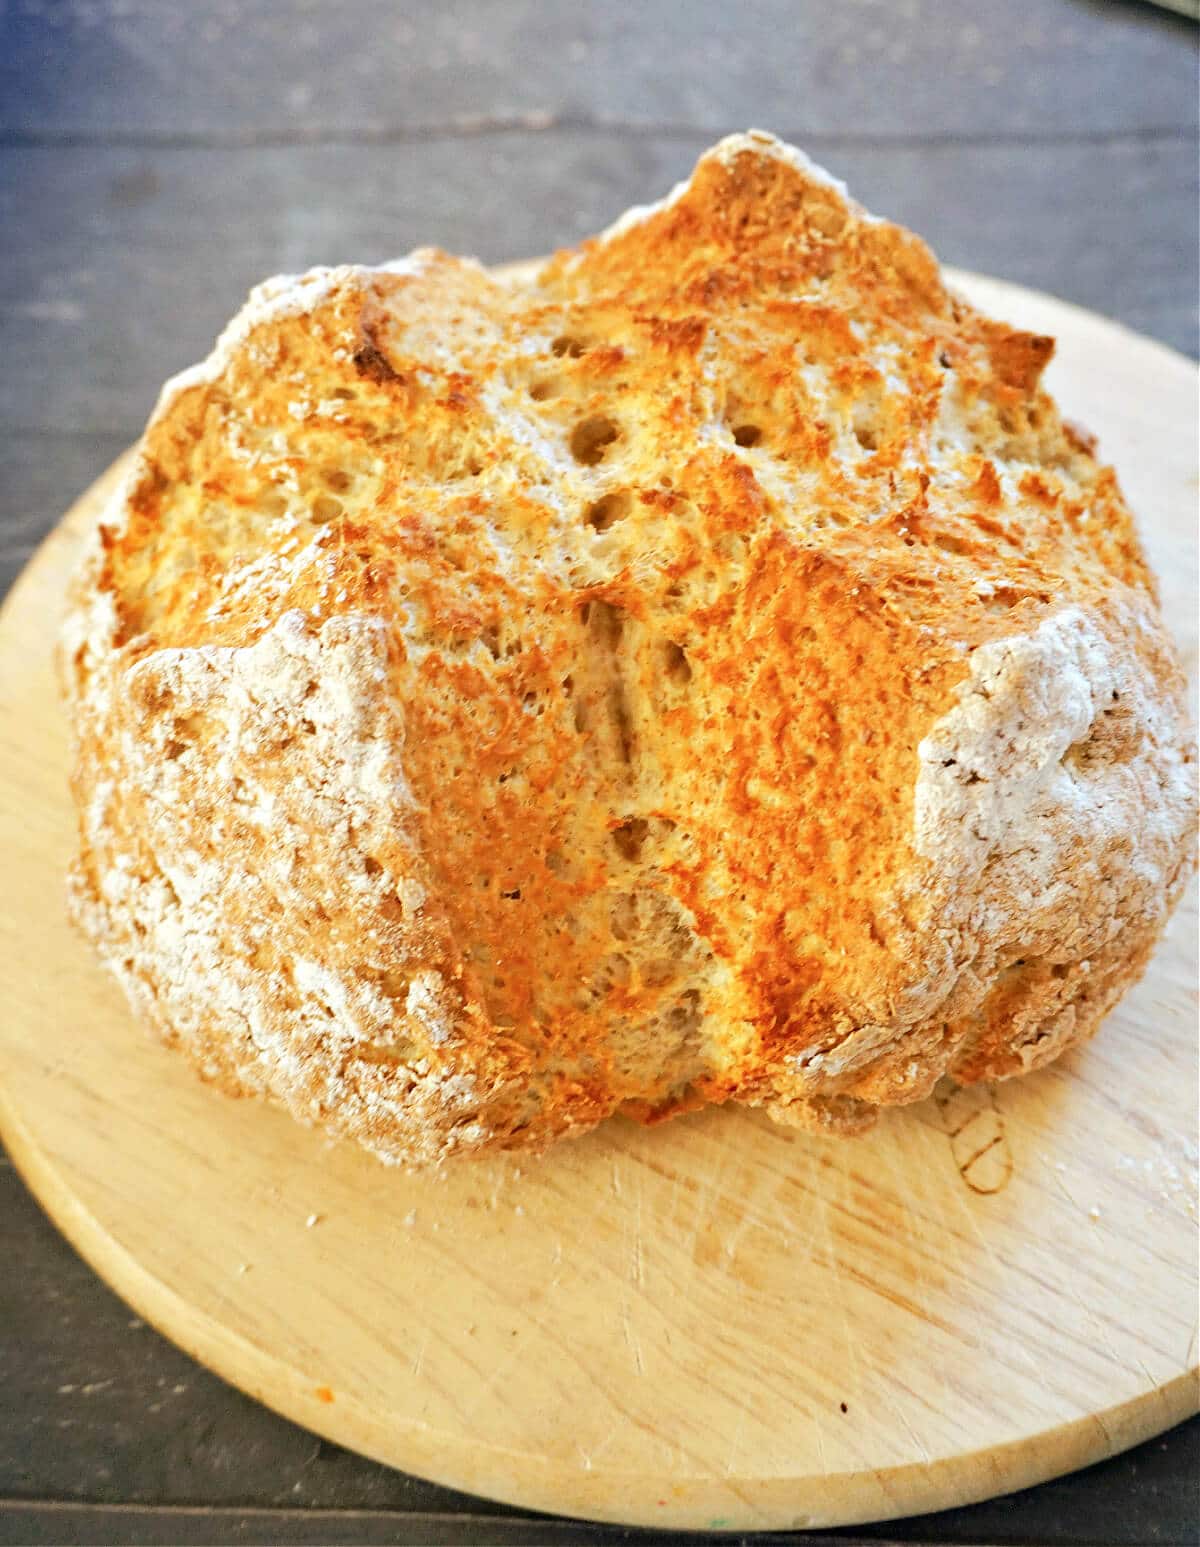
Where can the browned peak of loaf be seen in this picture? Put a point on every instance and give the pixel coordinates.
(704, 667)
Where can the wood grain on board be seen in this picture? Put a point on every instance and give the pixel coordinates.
(715, 1323)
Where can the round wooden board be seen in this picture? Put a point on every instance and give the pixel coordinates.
(718, 1323)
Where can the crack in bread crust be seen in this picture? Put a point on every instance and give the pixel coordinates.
(704, 668)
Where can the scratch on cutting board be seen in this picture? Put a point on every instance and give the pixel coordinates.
(636, 1271)
(735, 1442)
(635, 1261)
(966, 1210)
(906, 1425)
(1151, 1383)
(819, 1430)
(632, 1339)
(589, 1457)
(1097, 1325)
(849, 1339)
(1059, 1169)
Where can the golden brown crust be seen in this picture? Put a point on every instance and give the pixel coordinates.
(707, 669)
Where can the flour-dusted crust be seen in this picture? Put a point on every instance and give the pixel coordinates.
(703, 668)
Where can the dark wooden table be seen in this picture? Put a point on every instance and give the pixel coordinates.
(159, 156)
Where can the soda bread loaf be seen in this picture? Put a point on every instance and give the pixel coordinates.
(703, 668)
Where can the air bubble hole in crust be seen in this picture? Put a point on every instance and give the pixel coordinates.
(337, 479)
(747, 434)
(591, 438)
(187, 730)
(866, 421)
(685, 1017)
(608, 510)
(623, 918)
(657, 974)
(676, 663)
(568, 345)
(630, 836)
(325, 509)
(605, 622)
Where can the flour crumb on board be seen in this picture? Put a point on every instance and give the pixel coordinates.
(410, 1218)
(313, 1219)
